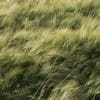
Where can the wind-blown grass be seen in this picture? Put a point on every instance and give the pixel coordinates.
(49, 50)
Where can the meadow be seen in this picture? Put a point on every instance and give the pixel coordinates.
(49, 49)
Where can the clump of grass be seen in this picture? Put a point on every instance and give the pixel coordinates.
(89, 10)
(75, 24)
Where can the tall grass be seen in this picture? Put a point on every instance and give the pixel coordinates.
(49, 50)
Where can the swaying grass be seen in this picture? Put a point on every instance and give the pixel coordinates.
(49, 49)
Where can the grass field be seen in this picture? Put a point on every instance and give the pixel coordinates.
(49, 49)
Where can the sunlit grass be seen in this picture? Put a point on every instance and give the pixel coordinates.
(49, 49)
